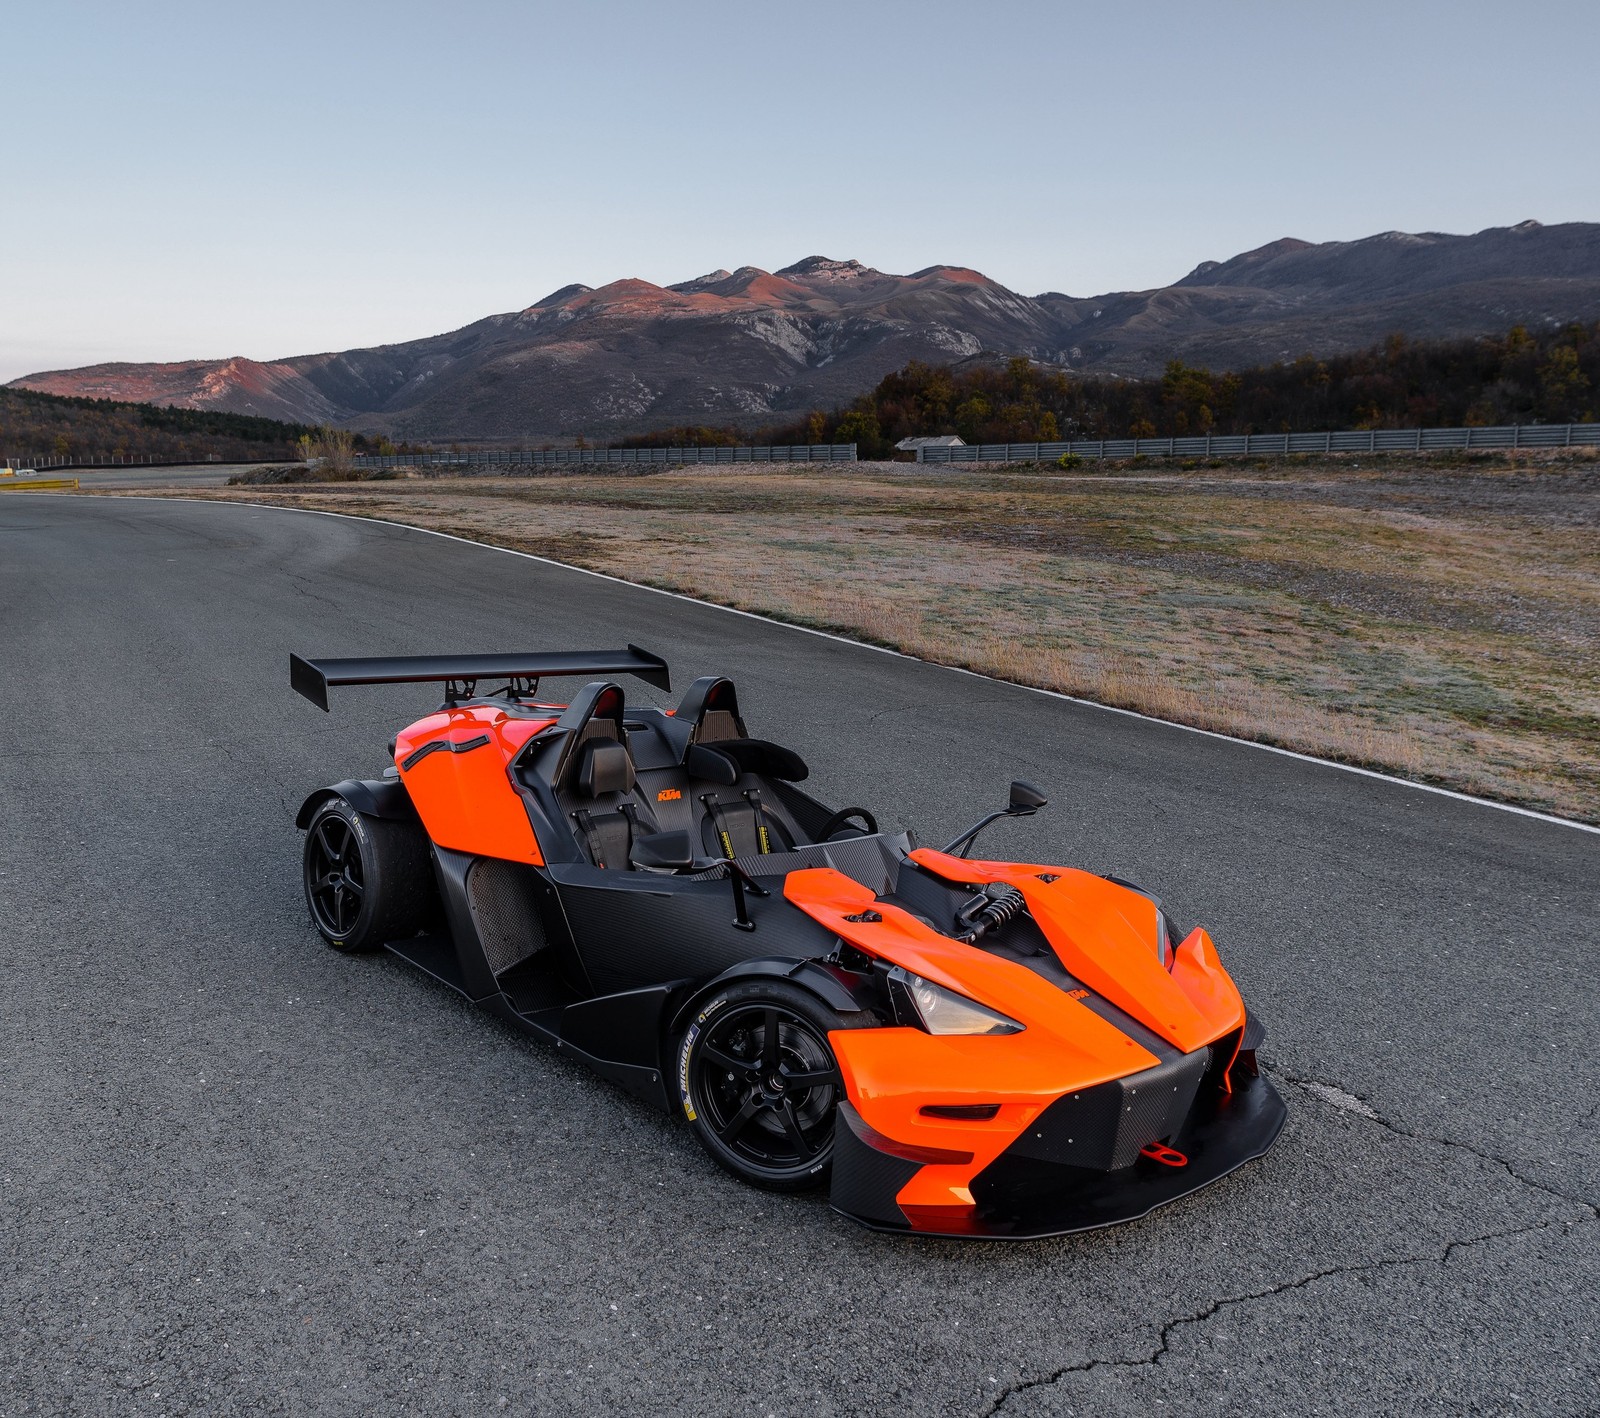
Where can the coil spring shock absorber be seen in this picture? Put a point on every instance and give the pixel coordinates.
(997, 904)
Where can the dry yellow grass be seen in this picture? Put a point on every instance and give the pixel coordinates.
(1438, 621)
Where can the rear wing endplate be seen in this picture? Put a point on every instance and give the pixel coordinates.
(312, 678)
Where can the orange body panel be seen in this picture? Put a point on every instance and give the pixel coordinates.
(1105, 935)
(466, 799)
(889, 1074)
(1197, 969)
(1098, 930)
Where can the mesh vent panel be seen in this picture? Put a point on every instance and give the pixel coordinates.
(505, 908)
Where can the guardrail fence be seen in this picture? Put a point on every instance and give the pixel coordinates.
(1366, 440)
(552, 457)
(131, 460)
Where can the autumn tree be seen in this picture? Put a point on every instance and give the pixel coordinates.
(1563, 386)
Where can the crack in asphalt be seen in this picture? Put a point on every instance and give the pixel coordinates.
(1321, 1089)
(1200, 1316)
(279, 788)
(301, 585)
(1336, 1096)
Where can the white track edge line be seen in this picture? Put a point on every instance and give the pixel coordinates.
(885, 650)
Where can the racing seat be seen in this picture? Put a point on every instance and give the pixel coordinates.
(711, 709)
(736, 783)
(739, 815)
(606, 817)
(594, 776)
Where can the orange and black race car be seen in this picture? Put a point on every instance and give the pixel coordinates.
(955, 1047)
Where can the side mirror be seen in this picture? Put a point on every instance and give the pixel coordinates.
(669, 850)
(1025, 799)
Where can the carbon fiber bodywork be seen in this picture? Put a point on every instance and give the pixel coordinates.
(1105, 1127)
(506, 905)
(865, 1179)
(632, 928)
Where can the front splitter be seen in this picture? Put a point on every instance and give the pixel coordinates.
(1020, 1199)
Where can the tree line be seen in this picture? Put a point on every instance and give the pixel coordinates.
(1523, 376)
(34, 425)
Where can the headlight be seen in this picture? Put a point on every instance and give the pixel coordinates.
(942, 1011)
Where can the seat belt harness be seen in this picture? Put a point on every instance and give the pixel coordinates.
(591, 835)
(720, 819)
(763, 837)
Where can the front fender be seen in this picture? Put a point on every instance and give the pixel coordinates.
(833, 987)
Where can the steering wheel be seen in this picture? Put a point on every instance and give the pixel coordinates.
(843, 816)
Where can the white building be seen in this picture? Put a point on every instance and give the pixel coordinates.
(916, 445)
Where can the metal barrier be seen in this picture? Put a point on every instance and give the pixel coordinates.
(40, 485)
(554, 457)
(489, 458)
(134, 460)
(1366, 440)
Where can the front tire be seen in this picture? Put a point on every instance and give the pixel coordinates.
(759, 1083)
(367, 880)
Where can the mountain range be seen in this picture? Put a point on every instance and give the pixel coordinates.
(753, 346)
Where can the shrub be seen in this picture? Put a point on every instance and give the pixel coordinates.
(333, 452)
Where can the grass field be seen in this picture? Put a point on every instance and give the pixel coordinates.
(1435, 617)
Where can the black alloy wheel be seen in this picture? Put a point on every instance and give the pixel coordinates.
(335, 876)
(760, 1086)
(368, 880)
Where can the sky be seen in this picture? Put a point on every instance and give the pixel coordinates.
(183, 180)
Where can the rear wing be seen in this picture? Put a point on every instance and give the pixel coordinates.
(312, 678)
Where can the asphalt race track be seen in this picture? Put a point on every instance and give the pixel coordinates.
(190, 475)
(240, 1173)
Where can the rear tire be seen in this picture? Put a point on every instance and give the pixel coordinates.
(367, 880)
(759, 1083)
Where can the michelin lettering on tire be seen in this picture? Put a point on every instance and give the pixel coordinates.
(686, 1048)
(683, 1069)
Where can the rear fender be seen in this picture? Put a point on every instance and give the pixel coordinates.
(383, 798)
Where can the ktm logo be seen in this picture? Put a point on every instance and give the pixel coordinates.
(1079, 994)
(668, 795)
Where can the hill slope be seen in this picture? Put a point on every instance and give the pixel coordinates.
(745, 345)
(35, 425)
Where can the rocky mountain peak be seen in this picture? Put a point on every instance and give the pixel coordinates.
(557, 297)
(827, 268)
